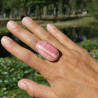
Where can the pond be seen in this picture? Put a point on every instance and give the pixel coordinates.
(78, 34)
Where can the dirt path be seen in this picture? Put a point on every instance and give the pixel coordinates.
(67, 24)
(70, 23)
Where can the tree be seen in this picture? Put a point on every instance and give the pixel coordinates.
(93, 9)
(7, 7)
(40, 7)
(78, 5)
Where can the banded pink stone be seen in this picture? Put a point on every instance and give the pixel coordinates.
(47, 50)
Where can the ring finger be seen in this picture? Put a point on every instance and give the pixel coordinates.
(44, 48)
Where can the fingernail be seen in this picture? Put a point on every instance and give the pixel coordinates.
(22, 85)
(12, 24)
(6, 40)
(27, 20)
(50, 26)
(47, 50)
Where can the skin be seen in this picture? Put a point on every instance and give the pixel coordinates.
(73, 75)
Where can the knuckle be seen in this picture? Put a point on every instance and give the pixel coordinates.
(84, 51)
(17, 28)
(36, 40)
(54, 76)
(34, 25)
(49, 37)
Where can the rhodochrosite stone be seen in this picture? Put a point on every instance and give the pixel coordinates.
(47, 50)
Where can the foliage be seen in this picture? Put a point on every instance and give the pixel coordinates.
(39, 7)
(3, 30)
(17, 93)
(12, 70)
(93, 9)
(89, 44)
(94, 54)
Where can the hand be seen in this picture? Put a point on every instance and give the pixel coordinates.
(73, 75)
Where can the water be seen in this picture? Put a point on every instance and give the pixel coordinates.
(78, 34)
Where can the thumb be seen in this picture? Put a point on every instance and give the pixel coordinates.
(36, 90)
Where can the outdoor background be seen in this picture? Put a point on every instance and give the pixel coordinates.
(78, 19)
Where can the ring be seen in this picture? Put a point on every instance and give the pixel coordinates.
(47, 50)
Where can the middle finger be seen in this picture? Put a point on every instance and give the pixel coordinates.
(43, 34)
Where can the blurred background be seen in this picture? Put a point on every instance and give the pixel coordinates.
(78, 19)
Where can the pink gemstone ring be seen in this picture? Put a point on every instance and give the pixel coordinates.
(47, 50)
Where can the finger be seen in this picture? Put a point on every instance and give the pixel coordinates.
(24, 35)
(43, 34)
(48, 51)
(25, 55)
(36, 90)
(61, 37)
